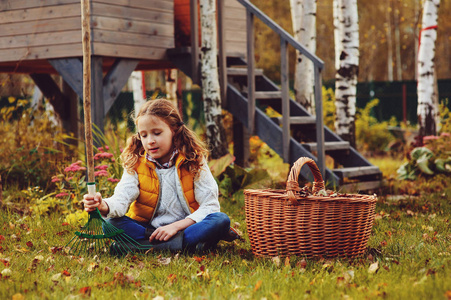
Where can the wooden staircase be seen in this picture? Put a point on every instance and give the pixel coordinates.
(250, 92)
(354, 172)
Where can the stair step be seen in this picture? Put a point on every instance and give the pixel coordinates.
(268, 95)
(328, 146)
(356, 171)
(242, 72)
(360, 186)
(235, 61)
(305, 120)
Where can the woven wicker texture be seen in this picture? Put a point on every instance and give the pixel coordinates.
(293, 222)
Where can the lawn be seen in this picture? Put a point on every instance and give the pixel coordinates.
(408, 257)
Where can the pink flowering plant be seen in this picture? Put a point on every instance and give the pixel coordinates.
(70, 185)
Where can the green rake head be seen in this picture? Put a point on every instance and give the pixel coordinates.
(98, 237)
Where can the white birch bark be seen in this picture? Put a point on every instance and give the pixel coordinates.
(138, 93)
(346, 76)
(303, 15)
(426, 110)
(171, 85)
(215, 132)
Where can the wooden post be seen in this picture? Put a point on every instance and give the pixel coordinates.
(222, 53)
(250, 73)
(321, 155)
(86, 42)
(285, 100)
(194, 42)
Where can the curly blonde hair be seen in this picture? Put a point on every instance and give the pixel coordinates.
(184, 140)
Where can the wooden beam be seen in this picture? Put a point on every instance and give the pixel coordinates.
(51, 91)
(115, 80)
(71, 69)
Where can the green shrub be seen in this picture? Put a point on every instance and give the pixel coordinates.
(32, 145)
(372, 136)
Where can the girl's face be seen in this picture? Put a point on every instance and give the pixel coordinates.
(156, 137)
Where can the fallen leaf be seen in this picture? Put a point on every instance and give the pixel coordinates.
(348, 276)
(18, 296)
(276, 260)
(225, 262)
(172, 278)
(30, 244)
(258, 285)
(203, 273)
(55, 249)
(6, 272)
(2, 238)
(65, 273)
(5, 261)
(328, 267)
(22, 250)
(373, 268)
(287, 261)
(303, 264)
(39, 257)
(85, 290)
(164, 261)
(199, 259)
(56, 277)
(92, 266)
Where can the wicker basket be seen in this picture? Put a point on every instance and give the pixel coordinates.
(293, 222)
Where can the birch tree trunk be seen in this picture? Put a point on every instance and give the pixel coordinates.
(426, 110)
(303, 15)
(347, 71)
(138, 92)
(171, 85)
(216, 137)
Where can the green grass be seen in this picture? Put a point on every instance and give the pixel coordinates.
(410, 241)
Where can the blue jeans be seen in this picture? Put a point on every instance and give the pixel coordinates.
(211, 229)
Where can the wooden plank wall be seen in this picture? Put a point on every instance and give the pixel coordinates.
(33, 29)
(133, 28)
(45, 29)
(235, 28)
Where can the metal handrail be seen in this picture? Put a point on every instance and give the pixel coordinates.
(285, 38)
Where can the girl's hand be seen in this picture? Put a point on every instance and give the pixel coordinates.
(164, 233)
(92, 202)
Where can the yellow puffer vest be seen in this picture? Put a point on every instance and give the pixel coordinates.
(143, 208)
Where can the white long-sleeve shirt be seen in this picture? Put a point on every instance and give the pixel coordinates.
(172, 206)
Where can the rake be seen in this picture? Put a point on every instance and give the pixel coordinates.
(97, 236)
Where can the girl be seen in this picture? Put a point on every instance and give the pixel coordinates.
(167, 196)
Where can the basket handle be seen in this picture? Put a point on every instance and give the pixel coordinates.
(292, 182)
